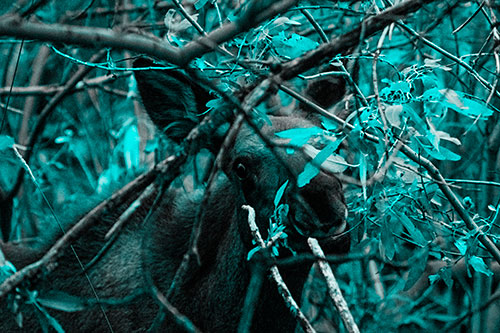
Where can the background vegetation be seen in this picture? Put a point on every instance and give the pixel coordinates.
(416, 121)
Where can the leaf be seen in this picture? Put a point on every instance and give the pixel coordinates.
(386, 244)
(479, 266)
(362, 173)
(62, 301)
(131, 150)
(152, 145)
(310, 171)
(393, 115)
(461, 246)
(282, 212)
(451, 97)
(299, 136)
(444, 154)
(434, 63)
(200, 4)
(312, 168)
(446, 275)
(46, 318)
(62, 139)
(7, 269)
(52, 321)
(283, 22)
(279, 194)
(446, 136)
(252, 252)
(457, 101)
(293, 46)
(434, 278)
(6, 142)
(174, 24)
(420, 125)
(475, 108)
(415, 233)
(329, 124)
(334, 163)
(396, 92)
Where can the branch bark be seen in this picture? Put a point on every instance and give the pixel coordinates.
(350, 39)
(15, 26)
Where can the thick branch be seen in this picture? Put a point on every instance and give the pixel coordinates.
(98, 37)
(91, 37)
(333, 288)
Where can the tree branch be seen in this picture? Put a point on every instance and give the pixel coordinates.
(333, 287)
(91, 37)
(350, 39)
(282, 288)
(15, 26)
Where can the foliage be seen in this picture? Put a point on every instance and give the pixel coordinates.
(435, 91)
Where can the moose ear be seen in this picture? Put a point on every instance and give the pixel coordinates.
(325, 91)
(172, 100)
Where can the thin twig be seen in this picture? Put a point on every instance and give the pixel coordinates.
(51, 89)
(46, 112)
(333, 288)
(251, 298)
(448, 55)
(348, 40)
(282, 288)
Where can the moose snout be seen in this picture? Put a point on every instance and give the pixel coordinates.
(321, 210)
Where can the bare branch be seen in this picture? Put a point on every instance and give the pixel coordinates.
(52, 89)
(98, 37)
(85, 36)
(350, 39)
(282, 288)
(333, 288)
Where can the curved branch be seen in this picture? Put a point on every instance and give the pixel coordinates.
(350, 39)
(91, 37)
(15, 26)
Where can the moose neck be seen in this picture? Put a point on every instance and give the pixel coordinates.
(212, 294)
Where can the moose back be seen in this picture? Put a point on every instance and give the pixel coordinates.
(212, 295)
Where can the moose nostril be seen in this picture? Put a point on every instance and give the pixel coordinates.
(325, 228)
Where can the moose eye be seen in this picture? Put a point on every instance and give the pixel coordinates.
(241, 170)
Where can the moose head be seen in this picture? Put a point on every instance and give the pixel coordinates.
(251, 172)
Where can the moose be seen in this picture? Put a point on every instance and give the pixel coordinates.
(213, 293)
